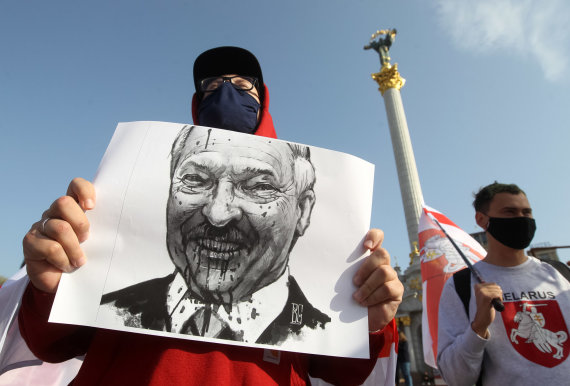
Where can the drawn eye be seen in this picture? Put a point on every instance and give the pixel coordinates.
(261, 189)
(195, 182)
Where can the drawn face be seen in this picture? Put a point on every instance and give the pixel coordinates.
(233, 213)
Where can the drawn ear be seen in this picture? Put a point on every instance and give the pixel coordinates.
(482, 220)
(306, 203)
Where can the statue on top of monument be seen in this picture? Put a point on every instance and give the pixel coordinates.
(382, 44)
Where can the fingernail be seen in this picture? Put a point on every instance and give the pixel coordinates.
(88, 204)
(357, 280)
(79, 262)
(357, 296)
(83, 236)
(368, 244)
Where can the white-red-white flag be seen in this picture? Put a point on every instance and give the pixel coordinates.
(439, 261)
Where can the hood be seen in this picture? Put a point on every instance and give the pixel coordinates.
(265, 127)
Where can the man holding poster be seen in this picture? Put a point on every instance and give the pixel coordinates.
(230, 94)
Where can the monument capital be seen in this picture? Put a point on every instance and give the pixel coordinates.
(389, 77)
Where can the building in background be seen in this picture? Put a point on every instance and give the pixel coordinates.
(546, 251)
(481, 238)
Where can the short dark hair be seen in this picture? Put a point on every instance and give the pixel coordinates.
(485, 195)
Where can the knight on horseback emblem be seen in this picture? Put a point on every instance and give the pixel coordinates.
(542, 327)
(531, 327)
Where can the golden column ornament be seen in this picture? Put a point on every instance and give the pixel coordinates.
(415, 252)
(404, 320)
(388, 77)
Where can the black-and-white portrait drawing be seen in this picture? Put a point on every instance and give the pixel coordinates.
(224, 237)
(236, 207)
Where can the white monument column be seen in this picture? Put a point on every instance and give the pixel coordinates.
(390, 82)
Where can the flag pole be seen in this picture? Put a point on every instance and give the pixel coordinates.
(496, 302)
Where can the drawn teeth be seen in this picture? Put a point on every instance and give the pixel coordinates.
(214, 254)
(219, 246)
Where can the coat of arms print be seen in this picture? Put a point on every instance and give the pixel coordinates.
(537, 331)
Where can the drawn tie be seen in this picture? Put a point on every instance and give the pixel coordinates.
(207, 323)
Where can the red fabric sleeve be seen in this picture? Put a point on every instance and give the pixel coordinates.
(50, 342)
(350, 371)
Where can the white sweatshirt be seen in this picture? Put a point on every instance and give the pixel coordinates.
(528, 342)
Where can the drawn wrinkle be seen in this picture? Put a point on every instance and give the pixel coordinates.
(208, 139)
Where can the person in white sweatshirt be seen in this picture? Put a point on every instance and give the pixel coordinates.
(528, 342)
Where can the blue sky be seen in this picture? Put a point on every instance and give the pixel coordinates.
(486, 96)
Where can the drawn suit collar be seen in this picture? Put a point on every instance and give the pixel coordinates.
(251, 317)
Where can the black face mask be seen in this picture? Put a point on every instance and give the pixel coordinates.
(514, 232)
(229, 109)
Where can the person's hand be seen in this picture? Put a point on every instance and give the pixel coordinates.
(379, 288)
(484, 295)
(51, 246)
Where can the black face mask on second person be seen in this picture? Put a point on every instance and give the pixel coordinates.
(514, 232)
(229, 109)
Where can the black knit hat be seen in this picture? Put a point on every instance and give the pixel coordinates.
(227, 60)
